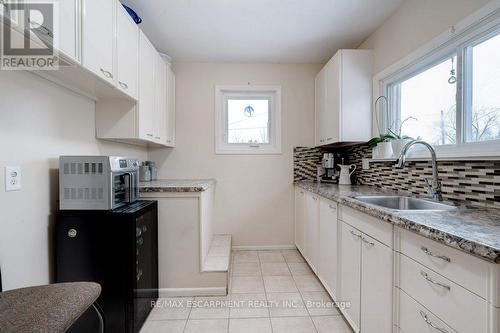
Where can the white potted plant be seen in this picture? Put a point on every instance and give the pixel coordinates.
(381, 146)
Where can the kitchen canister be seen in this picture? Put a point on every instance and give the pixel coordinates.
(144, 173)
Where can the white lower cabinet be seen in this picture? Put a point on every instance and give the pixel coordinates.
(312, 230)
(366, 271)
(328, 245)
(394, 280)
(414, 318)
(300, 208)
(350, 274)
(376, 286)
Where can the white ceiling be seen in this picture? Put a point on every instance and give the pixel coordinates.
(276, 31)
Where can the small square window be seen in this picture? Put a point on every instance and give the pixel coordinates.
(248, 120)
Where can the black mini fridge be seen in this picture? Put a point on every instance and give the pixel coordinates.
(117, 249)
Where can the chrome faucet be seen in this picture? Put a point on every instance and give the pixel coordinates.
(433, 189)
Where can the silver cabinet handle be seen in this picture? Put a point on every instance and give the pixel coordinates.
(355, 234)
(429, 322)
(333, 207)
(367, 241)
(123, 84)
(149, 134)
(428, 278)
(107, 73)
(301, 192)
(328, 139)
(315, 198)
(157, 137)
(429, 253)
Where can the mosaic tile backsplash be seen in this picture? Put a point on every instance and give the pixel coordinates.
(473, 182)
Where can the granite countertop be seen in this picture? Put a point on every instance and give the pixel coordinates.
(176, 185)
(472, 230)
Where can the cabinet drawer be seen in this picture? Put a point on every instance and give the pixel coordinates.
(455, 305)
(414, 318)
(459, 267)
(373, 227)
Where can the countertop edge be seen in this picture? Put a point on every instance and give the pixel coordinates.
(474, 248)
(177, 185)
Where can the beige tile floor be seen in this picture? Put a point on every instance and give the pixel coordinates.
(269, 292)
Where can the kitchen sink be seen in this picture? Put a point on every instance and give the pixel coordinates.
(402, 203)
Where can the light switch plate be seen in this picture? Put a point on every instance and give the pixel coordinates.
(12, 178)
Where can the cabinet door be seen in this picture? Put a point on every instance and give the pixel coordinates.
(300, 203)
(98, 37)
(319, 106)
(170, 107)
(350, 272)
(328, 242)
(376, 286)
(69, 28)
(160, 109)
(331, 116)
(312, 230)
(127, 52)
(147, 59)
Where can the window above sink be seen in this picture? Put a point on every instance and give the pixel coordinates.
(447, 91)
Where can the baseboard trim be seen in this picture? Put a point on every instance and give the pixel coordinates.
(185, 292)
(264, 248)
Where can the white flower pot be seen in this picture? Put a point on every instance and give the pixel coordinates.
(376, 152)
(385, 150)
(398, 145)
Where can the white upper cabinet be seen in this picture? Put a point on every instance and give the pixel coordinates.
(343, 98)
(98, 37)
(160, 110)
(170, 107)
(127, 52)
(69, 28)
(146, 105)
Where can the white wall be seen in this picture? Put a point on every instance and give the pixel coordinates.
(415, 23)
(38, 122)
(254, 193)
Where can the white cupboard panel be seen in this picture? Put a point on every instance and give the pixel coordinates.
(146, 104)
(319, 105)
(376, 286)
(452, 303)
(69, 28)
(350, 272)
(127, 52)
(469, 272)
(414, 318)
(98, 38)
(330, 130)
(328, 244)
(170, 107)
(300, 203)
(373, 227)
(312, 230)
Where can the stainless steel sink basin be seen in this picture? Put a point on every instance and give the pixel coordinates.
(402, 203)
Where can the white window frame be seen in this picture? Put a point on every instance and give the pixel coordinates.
(271, 93)
(458, 40)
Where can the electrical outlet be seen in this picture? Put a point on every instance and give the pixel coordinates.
(12, 178)
(365, 163)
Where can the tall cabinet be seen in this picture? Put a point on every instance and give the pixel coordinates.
(343, 95)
